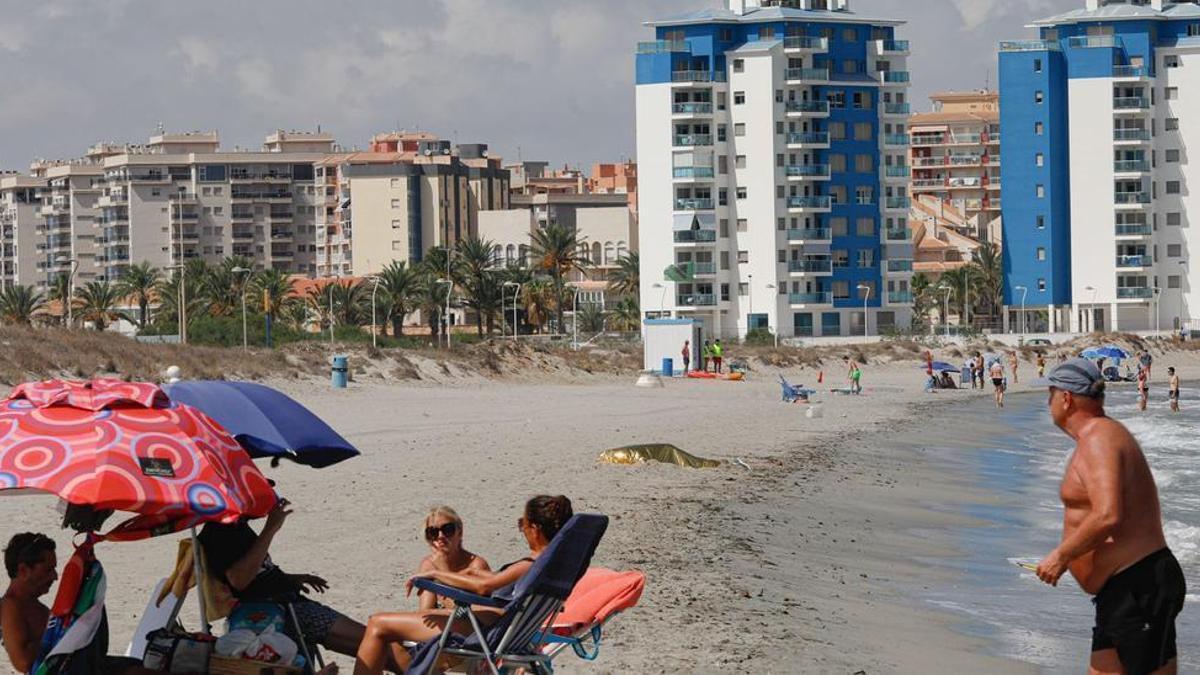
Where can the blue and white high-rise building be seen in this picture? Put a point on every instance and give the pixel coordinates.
(772, 169)
(1099, 117)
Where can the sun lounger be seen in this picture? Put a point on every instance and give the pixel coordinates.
(160, 612)
(792, 393)
(598, 597)
(517, 638)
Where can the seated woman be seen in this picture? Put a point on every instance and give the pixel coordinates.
(544, 516)
(444, 532)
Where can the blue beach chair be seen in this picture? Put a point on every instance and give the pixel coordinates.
(516, 640)
(792, 393)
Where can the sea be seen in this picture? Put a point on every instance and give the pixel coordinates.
(1013, 460)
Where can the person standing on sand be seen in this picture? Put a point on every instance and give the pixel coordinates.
(997, 373)
(853, 375)
(1145, 361)
(686, 353)
(1013, 362)
(1112, 539)
(705, 355)
(1173, 388)
(980, 370)
(718, 352)
(1143, 388)
(1041, 364)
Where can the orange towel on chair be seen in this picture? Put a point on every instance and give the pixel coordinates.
(599, 594)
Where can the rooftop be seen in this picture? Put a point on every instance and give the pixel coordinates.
(1097, 10)
(752, 14)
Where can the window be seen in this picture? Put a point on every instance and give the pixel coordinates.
(743, 289)
(837, 163)
(1173, 281)
(1037, 65)
(395, 223)
(1171, 93)
(1050, 34)
(212, 173)
(837, 131)
(720, 100)
(741, 193)
(1175, 218)
(1038, 128)
(720, 133)
(862, 131)
(722, 197)
(726, 34)
(724, 260)
(781, 256)
(864, 163)
(837, 99)
(849, 34)
(1041, 253)
(1193, 30)
(1171, 61)
(1172, 187)
(864, 194)
(739, 97)
(743, 257)
(395, 182)
(837, 194)
(841, 290)
(395, 203)
(723, 227)
(1041, 284)
(739, 129)
(739, 65)
(866, 258)
(838, 226)
(850, 66)
(722, 164)
(1039, 159)
(743, 225)
(779, 159)
(1171, 124)
(1040, 190)
(1041, 222)
(779, 194)
(724, 292)
(1039, 97)
(1174, 250)
(739, 161)
(1172, 156)
(865, 227)
(861, 101)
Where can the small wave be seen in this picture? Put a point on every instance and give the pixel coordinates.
(1184, 540)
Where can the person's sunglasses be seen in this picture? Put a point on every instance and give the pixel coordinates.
(449, 529)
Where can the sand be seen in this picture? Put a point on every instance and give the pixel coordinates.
(807, 561)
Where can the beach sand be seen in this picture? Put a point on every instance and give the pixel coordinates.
(805, 562)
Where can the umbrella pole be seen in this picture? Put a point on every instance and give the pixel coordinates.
(198, 571)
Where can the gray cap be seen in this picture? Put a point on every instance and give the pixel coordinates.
(1079, 376)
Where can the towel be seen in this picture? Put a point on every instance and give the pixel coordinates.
(598, 595)
(218, 600)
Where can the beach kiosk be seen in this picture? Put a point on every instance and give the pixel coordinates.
(663, 339)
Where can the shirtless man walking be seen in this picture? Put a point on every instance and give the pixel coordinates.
(997, 375)
(1112, 540)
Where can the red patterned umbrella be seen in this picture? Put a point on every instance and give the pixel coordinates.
(125, 446)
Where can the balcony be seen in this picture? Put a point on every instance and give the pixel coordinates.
(899, 297)
(1131, 135)
(241, 215)
(928, 183)
(693, 203)
(809, 234)
(810, 202)
(895, 47)
(1094, 41)
(812, 138)
(898, 234)
(282, 253)
(1134, 292)
(692, 172)
(242, 235)
(896, 172)
(148, 177)
(1130, 72)
(692, 108)
(1030, 46)
(899, 265)
(1131, 198)
(1131, 103)
(695, 236)
(281, 235)
(697, 76)
(1125, 261)
(896, 203)
(807, 171)
(802, 43)
(824, 298)
(1133, 230)
(898, 77)
(895, 140)
(811, 267)
(663, 47)
(1131, 166)
(811, 108)
(806, 74)
(707, 269)
(696, 300)
(688, 140)
(896, 109)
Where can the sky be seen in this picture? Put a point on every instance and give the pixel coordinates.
(535, 79)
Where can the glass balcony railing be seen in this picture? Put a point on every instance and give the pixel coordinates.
(1131, 134)
(809, 234)
(810, 298)
(808, 170)
(1129, 71)
(819, 44)
(693, 203)
(896, 171)
(683, 76)
(663, 47)
(693, 172)
(696, 300)
(1131, 165)
(1133, 229)
(900, 297)
(899, 265)
(695, 236)
(1030, 46)
(705, 268)
(894, 76)
(1134, 292)
(898, 234)
(816, 107)
(692, 139)
(808, 74)
(896, 108)
(893, 45)
(895, 139)
(692, 108)
(1094, 41)
(808, 138)
(896, 203)
(1134, 261)
(809, 202)
(1131, 103)
(815, 266)
(1132, 197)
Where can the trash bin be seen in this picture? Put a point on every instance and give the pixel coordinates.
(668, 367)
(338, 372)
(964, 377)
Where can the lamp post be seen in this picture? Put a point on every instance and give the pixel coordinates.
(662, 300)
(1182, 280)
(332, 281)
(1157, 325)
(866, 298)
(1023, 290)
(181, 299)
(374, 324)
(945, 309)
(575, 320)
(750, 313)
(244, 271)
(1091, 309)
(516, 298)
(771, 287)
(446, 315)
(69, 300)
(966, 296)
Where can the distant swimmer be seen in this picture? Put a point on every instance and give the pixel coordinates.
(1143, 381)
(997, 374)
(1173, 388)
(1112, 539)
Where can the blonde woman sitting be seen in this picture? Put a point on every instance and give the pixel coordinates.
(444, 533)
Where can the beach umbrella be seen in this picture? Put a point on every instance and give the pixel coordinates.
(267, 422)
(1106, 352)
(108, 445)
(941, 367)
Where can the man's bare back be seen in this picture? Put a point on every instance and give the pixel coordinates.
(22, 620)
(1108, 457)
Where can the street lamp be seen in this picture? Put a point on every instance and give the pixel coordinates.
(181, 298)
(1155, 293)
(866, 297)
(245, 271)
(1182, 280)
(516, 298)
(662, 300)
(1091, 309)
(945, 309)
(1023, 290)
(771, 287)
(446, 316)
(69, 300)
(374, 324)
(330, 285)
(750, 314)
(575, 320)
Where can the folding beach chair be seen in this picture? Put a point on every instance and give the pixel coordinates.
(792, 393)
(598, 597)
(516, 640)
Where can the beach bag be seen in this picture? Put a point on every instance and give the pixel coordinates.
(258, 617)
(172, 651)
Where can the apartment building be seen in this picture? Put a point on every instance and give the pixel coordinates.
(955, 154)
(615, 179)
(20, 220)
(772, 155)
(410, 192)
(1099, 113)
(66, 240)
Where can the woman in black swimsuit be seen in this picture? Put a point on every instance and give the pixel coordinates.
(542, 519)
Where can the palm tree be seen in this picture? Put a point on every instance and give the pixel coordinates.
(352, 302)
(627, 316)
(988, 273)
(168, 296)
(97, 302)
(275, 287)
(430, 299)
(591, 318)
(481, 289)
(221, 287)
(139, 282)
(624, 280)
(18, 304)
(959, 282)
(557, 250)
(399, 284)
(923, 297)
(60, 292)
(539, 299)
(294, 313)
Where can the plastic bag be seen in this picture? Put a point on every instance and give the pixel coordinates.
(235, 642)
(271, 647)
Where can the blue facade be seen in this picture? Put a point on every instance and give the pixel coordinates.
(702, 47)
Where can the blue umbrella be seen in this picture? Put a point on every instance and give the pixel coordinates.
(1105, 352)
(266, 422)
(942, 366)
